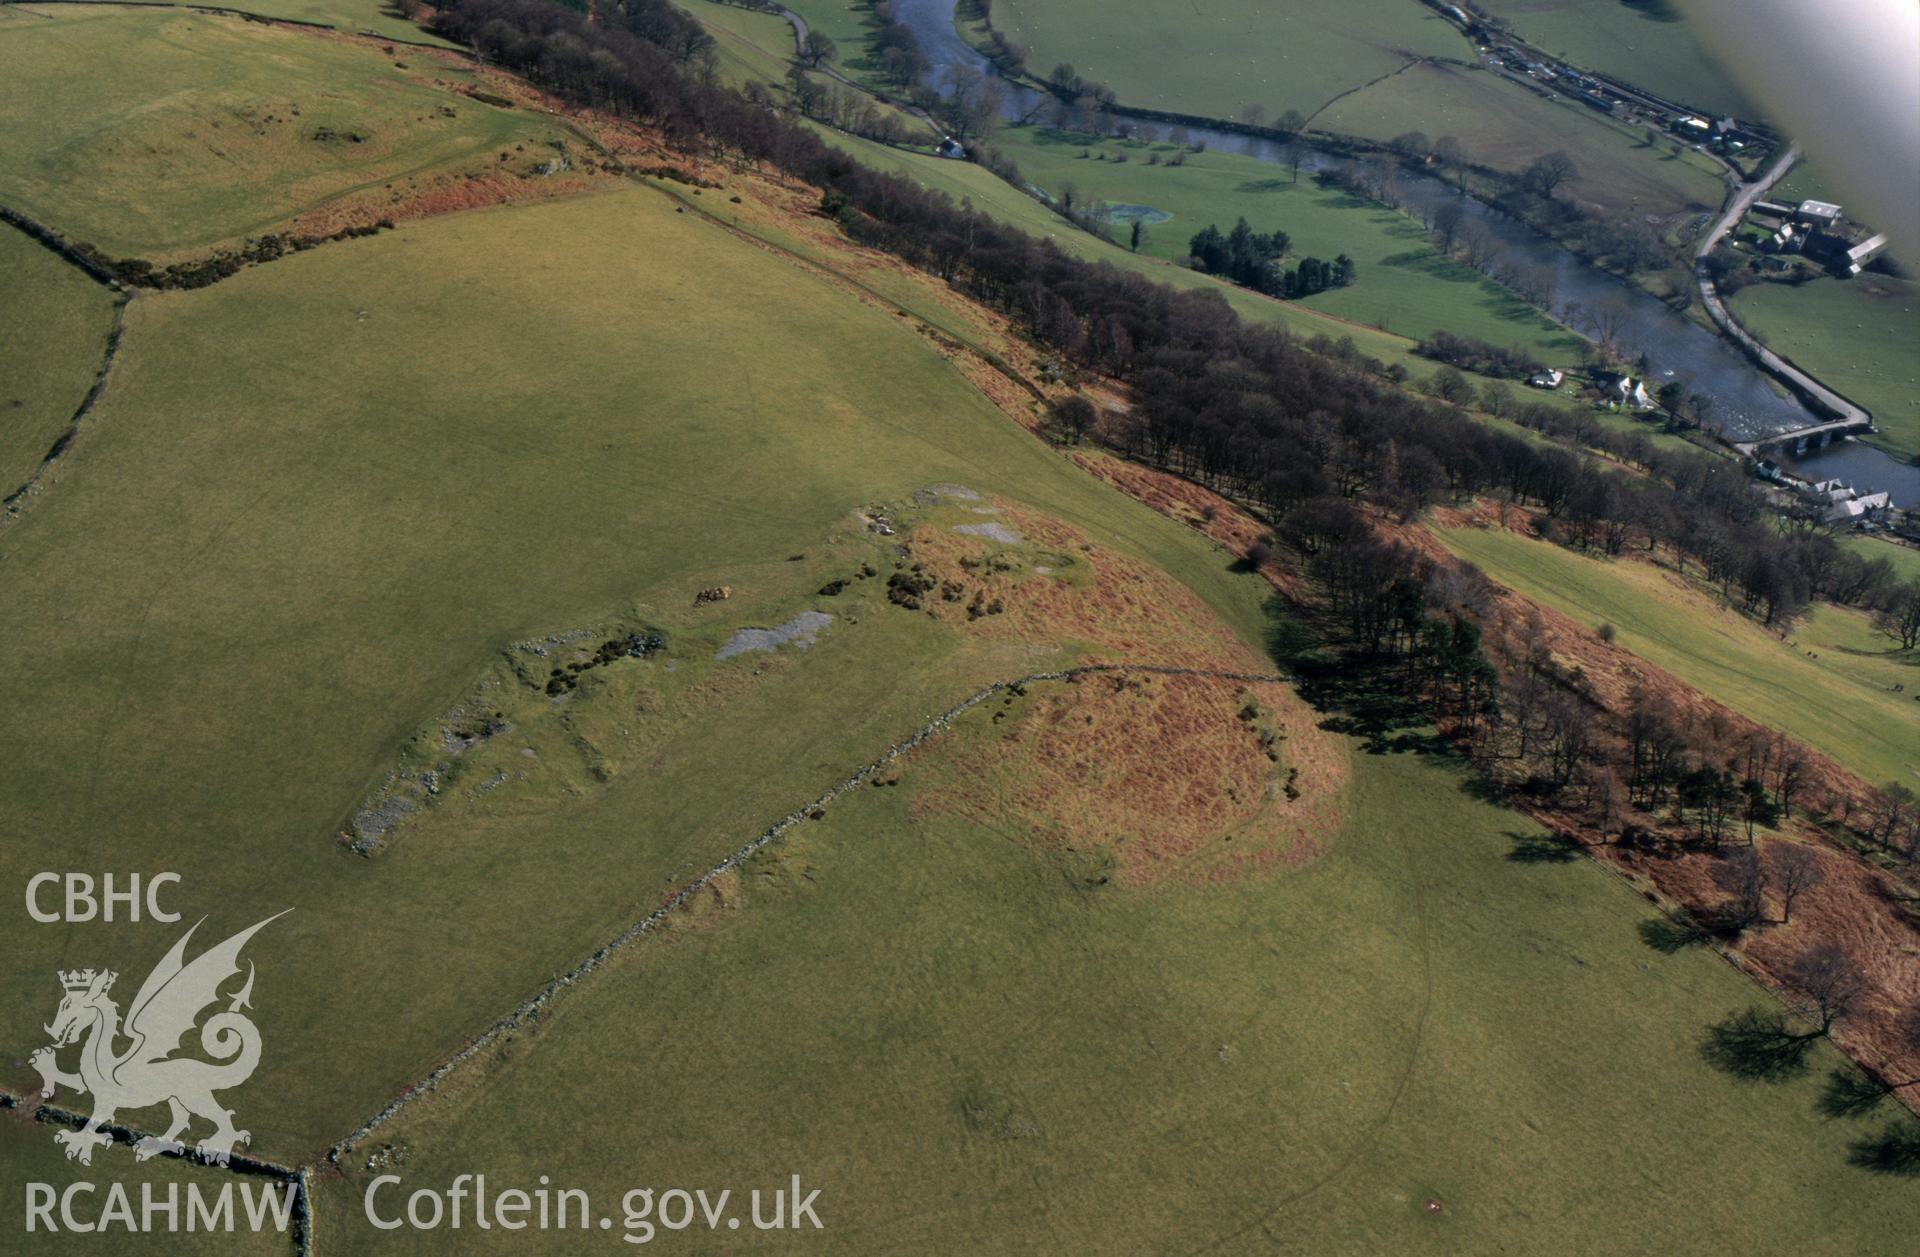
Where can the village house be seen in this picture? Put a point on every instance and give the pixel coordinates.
(1864, 509)
(1844, 504)
(1628, 392)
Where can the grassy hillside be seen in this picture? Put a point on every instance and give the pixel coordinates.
(1223, 58)
(1505, 126)
(161, 131)
(1831, 684)
(1411, 1042)
(1405, 285)
(1643, 42)
(370, 17)
(53, 332)
(1857, 335)
(304, 528)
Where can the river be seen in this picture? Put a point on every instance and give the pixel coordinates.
(1746, 402)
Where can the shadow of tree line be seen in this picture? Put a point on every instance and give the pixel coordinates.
(1757, 1045)
(1762, 1046)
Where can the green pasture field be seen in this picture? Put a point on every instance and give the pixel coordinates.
(161, 131)
(53, 336)
(1221, 59)
(1830, 683)
(993, 196)
(751, 46)
(756, 47)
(1645, 43)
(322, 495)
(1207, 177)
(359, 17)
(1503, 125)
(849, 24)
(1860, 336)
(1806, 182)
(1420, 1042)
(1905, 559)
(1405, 285)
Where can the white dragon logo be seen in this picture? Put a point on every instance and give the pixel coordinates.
(169, 1004)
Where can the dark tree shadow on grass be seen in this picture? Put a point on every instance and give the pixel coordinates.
(1895, 1150)
(1355, 694)
(1669, 935)
(1487, 790)
(1851, 1092)
(1543, 849)
(1362, 707)
(1757, 1046)
(1290, 643)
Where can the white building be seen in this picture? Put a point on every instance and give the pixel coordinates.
(1859, 509)
(1629, 392)
(1818, 213)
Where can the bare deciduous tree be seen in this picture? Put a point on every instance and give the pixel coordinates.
(1547, 173)
(1899, 615)
(1744, 878)
(1789, 772)
(1796, 870)
(1450, 156)
(1831, 983)
(1897, 805)
(1446, 224)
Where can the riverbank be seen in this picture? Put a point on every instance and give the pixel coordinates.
(1599, 304)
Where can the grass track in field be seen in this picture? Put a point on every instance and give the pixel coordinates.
(751, 46)
(1505, 126)
(53, 332)
(850, 25)
(1221, 58)
(303, 524)
(159, 131)
(1641, 42)
(1405, 285)
(1859, 335)
(1840, 702)
(965, 1049)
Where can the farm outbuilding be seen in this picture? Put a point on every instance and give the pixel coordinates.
(1818, 213)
